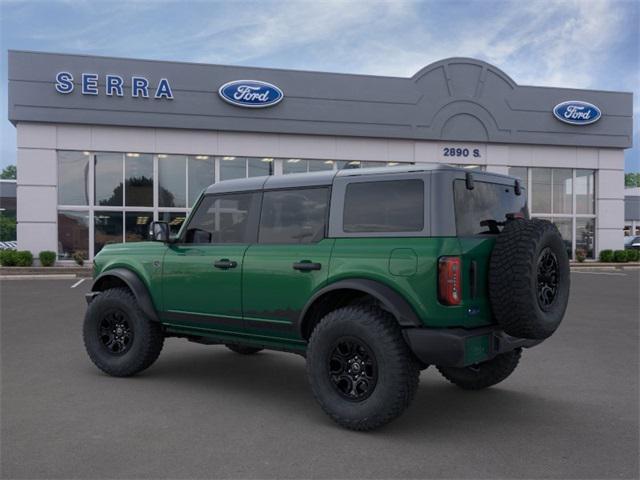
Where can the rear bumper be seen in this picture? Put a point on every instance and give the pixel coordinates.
(459, 347)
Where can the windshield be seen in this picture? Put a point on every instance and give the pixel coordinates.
(484, 209)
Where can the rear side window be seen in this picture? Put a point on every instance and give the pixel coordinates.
(483, 209)
(384, 206)
(294, 216)
(224, 219)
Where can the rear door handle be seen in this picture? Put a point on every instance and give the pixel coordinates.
(306, 266)
(225, 264)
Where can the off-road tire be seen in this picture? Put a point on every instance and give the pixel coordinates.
(146, 343)
(242, 349)
(484, 374)
(397, 370)
(514, 278)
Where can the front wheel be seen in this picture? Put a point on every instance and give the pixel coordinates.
(485, 374)
(118, 337)
(361, 371)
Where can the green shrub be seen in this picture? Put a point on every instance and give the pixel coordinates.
(620, 256)
(79, 256)
(24, 258)
(581, 255)
(606, 256)
(47, 258)
(633, 255)
(8, 258)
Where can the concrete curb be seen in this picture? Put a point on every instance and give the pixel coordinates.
(54, 276)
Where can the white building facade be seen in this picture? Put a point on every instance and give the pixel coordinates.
(98, 163)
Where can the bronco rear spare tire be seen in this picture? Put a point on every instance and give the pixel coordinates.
(529, 278)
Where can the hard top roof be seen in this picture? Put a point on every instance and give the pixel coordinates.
(313, 179)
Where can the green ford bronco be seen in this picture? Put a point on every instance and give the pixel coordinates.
(372, 275)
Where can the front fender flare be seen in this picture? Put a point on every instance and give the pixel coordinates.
(135, 284)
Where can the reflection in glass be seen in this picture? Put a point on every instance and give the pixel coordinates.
(320, 165)
(201, 175)
(107, 229)
(585, 192)
(522, 173)
(562, 190)
(73, 234)
(174, 219)
(585, 235)
(137, 226)
(73, 178)
(347, 164)
(233, 167)
(294, 165)
(138, 172)
(259, 167)
(541, 190)
(172, 188)
(108, 181)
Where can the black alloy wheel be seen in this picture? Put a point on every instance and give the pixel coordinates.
(547, 278)
(115, 332)
(352, 369)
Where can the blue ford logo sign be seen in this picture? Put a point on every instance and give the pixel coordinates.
(250, 93)
(576, 112)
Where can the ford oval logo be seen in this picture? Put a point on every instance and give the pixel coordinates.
(576, 112)
(250, 93)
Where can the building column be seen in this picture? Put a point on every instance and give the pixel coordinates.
(610, 200)
(37, 188)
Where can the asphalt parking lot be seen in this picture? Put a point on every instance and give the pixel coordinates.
(569, 411)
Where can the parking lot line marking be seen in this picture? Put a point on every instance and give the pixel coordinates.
(78, 283)
(601, 273)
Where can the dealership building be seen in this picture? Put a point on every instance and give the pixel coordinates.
(106, 145)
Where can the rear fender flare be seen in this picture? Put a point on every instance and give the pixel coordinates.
(387, 296)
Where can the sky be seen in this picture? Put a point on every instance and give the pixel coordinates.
(562, 43)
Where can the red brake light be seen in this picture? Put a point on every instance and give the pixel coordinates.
(449, 281)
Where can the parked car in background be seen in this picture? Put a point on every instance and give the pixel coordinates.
(632, 243)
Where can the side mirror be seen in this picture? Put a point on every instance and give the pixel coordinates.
(159, 232)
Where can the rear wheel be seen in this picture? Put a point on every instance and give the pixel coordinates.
(118, 337)
(485, 374)
(360, 368)
(243, 349)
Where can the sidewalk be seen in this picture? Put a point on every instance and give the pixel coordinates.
(45, 272)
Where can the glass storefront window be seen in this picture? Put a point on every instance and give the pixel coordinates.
(73, 178)
(320, 165)
(562, 190)
(172, 184)
(349, 164)
(137, 226)
(107, 229)
(201, 175)
(585, 192)
(174, 219)
(522, 173)
(233, 167)
(585, 235)
(259, 167)
(73, 234)
(138, 172)
(295, 165)
(541, 190)
(108, 179)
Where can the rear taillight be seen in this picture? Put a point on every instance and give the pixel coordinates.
(449, 281)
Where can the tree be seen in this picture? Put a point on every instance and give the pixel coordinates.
(9, 172)
(632, 179)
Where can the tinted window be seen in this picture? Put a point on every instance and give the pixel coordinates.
(389, 206)
(224, 219)
(486, 202)
(294, 216)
